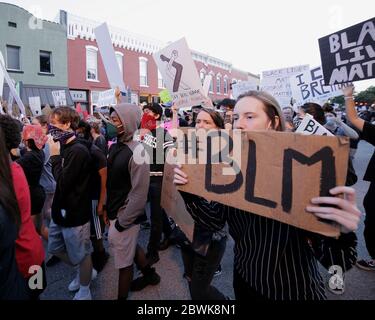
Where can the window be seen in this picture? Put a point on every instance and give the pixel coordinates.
(13, 58)
(212, 82)
(119, 58)
(91, 63)
(12, 24)
(160, 80)
(143, 72)
(218, 84)
(202, 75)
(45, 61)
(225, 85)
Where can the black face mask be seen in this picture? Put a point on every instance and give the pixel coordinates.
(60, 135)
(112, 130)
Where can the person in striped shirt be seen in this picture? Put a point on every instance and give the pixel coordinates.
(273, 260)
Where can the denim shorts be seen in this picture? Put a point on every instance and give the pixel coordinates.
(74, 241)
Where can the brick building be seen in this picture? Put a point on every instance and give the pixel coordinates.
(86, 74)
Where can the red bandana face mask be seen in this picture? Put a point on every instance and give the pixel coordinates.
(148, 122)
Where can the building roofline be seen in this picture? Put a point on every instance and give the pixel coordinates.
(28, 12)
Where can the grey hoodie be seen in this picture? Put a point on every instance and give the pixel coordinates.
(134, 204)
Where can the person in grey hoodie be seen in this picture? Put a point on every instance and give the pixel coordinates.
(127, 189)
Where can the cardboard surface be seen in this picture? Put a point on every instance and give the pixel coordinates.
(174, 205)
(280, 174)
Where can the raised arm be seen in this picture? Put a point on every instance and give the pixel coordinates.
(351, 112)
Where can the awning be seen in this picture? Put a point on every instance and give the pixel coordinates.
(45, 94)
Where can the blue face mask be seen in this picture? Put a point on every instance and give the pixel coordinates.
(60, 135)
(111, 130)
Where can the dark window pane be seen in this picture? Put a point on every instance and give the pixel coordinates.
(45, 61)
(13, 58)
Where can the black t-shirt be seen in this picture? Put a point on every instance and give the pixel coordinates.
(118, 179)
(71, 205)
(101, 143)
(98, 162)
(368, 134)
(32, 163)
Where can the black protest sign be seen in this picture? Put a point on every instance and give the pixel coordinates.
(349, 55)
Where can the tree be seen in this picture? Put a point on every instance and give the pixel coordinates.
(339, 100)
(366, 96)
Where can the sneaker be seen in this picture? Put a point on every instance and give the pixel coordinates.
(83, 295)
(218, 271)
(75, 284)
(368, 265)
(52, 261)
(152, 257)
(142, 282)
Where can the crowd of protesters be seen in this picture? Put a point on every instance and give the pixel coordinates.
(68, 181)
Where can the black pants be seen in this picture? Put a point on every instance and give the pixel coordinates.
(201, 269)
(159, 219)
(369, 232)
(243, 291)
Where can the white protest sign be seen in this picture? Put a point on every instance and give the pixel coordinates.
(242, 87)
(276, 82)
(107, 98)
(12, 89)
(310, 126)
(35, 106)
(180, 74)
(206, 84)
(111, 66)
(10, 103)
(309, 86)
(59, 98)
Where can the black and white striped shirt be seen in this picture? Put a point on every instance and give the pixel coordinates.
(277, 260)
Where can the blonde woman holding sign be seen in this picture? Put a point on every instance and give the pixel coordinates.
(272, 260)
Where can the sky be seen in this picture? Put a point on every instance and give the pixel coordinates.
(252, 35)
